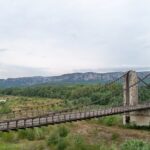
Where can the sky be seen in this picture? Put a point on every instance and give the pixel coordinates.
(52, 37)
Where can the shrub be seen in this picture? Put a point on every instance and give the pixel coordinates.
(63, 131)
(10, 137)
(30, 134)
(79, 143)
(39, 133)
(27, 134)
(53, 139)
(110, 120)
(22, 134)
(5, 108)
(62, 144)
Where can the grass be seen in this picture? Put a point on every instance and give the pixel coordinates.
(105, 133)
(146, 128)
(115, 120)
(20, 102)
(115, 136)
(20, 105)
(135, 145)
(4, 146)
(83, 135)
(32, 134)
(11, 137)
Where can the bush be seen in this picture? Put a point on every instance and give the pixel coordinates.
(110, 120)
(10, 137)
(39, 134)
(32, 134)
(22, 134)
(58, 137)
(63, 131)
(135, 145)
(5, 108)
(27, 134)
(62, 144)
(79, 143)
(53, 139)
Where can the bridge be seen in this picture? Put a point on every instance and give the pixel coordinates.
(131, 108)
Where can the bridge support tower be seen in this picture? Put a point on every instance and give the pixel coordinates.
(139, 118)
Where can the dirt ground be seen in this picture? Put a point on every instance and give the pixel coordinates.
(96, 133)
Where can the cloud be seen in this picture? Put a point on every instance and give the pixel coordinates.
(3, 50)
(7, 71)
(67, 35)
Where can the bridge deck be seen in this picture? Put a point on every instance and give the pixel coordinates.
(51, 119)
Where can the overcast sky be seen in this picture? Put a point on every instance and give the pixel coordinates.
(50, 37)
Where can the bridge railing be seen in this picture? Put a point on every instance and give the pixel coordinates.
(66, 117)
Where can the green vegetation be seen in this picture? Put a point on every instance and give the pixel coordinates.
(77, 94)
(144, 94)
(87, 135)
(16, 103)
(62, 139)
(105, 133)
(111, 120)
(5, 108)
(135, 145)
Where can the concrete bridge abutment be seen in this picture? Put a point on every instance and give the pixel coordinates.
(131, 98)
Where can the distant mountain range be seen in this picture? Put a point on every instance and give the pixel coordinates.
(88, 77)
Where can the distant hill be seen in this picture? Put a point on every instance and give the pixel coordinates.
(88, 77)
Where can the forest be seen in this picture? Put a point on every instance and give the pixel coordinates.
(78, 94)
